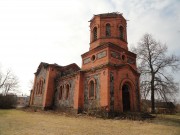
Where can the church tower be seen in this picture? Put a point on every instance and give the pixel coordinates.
(108, 31)
(110, 74)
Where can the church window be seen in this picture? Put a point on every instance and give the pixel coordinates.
(67, 91)
(93, 57)
(37, 89)
(91, 89)
(121, 32)
(60, 93)
(41, 82)
(108, 30)
(95, 33)
(39, 92)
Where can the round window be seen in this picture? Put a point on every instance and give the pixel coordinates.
(93, 57)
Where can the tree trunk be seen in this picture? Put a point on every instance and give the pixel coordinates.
(152, 95)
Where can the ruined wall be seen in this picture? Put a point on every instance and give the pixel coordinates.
(79, 92)
(61, 101)
(50, 87)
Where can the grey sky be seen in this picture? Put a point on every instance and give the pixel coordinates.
(57, 31)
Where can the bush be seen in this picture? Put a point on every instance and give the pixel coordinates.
(8, 101)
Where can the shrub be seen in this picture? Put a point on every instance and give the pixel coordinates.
(8, 101)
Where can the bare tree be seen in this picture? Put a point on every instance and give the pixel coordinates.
(8, 82)
(4, 78)
(154, 65)
(31, 82)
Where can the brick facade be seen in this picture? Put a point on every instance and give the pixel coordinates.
(108, 78)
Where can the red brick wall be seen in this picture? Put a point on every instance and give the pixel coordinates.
(49, 90)
(79, 93)
(104, 89)
(125, 76)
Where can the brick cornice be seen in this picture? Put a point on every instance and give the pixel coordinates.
(111, 65)
(108, 45)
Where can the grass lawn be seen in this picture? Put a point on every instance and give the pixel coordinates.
(18, 122)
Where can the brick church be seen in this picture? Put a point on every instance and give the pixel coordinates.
(108, 78)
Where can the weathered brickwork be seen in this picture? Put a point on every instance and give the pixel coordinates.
(87, 60)
(92, 103)
(116, 55)
(38, 97)
(101, 54)
(65, 101)
(111, 92)
(108, 80)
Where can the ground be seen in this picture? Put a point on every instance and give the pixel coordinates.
(19, 122)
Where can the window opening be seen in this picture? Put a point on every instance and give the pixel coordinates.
(95, 33)
(91, 89)
(67, 91)
(121, 32)
(108, 30)
(60, 93)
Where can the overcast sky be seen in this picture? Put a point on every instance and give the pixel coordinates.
(57, 31)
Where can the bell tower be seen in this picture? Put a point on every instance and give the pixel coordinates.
(108, 42)
(109, 68)
(109, 27)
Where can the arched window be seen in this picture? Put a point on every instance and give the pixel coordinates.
(121, 32)
(41, 86)
(95, 33)
(108, 30)
(67, 91)
(91, 89)
(37, 89)
(60, 93)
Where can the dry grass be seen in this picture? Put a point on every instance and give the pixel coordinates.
(18, 122)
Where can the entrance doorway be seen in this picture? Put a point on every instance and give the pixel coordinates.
(126, 98)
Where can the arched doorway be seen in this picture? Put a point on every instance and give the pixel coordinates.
(126, 97)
